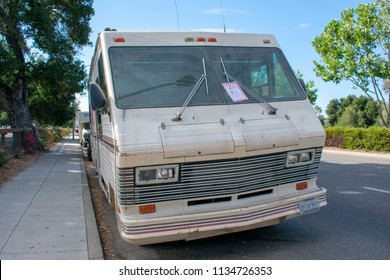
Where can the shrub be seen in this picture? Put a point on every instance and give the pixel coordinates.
(19, 153)
(28, 142)
(3, 156)
(51, 136)
(368, 139)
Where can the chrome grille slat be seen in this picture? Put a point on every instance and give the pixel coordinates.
(217, 178)
(215, 172)
(226, 162)
(244, 185)
(239, 180)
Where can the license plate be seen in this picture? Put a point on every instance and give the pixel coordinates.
(308, 206)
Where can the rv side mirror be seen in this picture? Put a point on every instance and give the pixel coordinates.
(303, 84)
(97, 98)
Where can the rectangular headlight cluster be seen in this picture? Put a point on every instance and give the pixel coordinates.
(297, 158)
(157, 174)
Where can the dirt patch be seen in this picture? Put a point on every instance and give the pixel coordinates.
(104, 215)
(14, 166)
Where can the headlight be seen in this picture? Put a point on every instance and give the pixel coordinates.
(157, 174)
(306, 156)
(165, 173)
(299, 158)
(292, 158)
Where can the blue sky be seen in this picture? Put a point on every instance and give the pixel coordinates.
(294, 23)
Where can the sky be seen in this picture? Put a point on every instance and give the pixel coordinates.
(295, 24)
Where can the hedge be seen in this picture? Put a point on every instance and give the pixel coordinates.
(51, 136)
(367, 139)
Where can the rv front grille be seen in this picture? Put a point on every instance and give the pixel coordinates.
(218, 178)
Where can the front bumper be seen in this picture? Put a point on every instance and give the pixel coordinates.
(202, 225)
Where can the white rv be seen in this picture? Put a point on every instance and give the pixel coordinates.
(198, 134)
(82, 123)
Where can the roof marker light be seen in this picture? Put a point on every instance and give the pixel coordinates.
(200, 39)
(119, 40)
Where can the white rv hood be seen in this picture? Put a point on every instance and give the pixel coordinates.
(207, 131)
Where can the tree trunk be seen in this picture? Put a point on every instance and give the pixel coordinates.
(17, 109)
(15, 103)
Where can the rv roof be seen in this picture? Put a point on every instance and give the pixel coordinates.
(117, 38)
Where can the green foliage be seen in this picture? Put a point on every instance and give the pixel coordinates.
(320, 116)
(3, 156)
(51, 136)
(39, 44)
(3, 118)
(368, 139)
(19, 153)
(350, 118)
(311, 91)
(55, 92)
(352, 111)
(356, 48)
(332, 111)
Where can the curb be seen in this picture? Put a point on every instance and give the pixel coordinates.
(95, 250)
(356, 152)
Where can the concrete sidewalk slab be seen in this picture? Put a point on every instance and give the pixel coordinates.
(46, 210)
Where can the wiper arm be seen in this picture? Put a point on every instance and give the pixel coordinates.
(202, 78)
(272, 110)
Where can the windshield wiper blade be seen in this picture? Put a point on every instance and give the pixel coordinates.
(202, 78)
(272, 109)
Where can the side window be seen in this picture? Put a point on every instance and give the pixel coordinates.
(101, 79)
(283, 87)
(259, 80)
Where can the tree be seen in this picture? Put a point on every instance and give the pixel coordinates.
(352, 111)
(311, 92)
(349, 118)
(356, 48)
(36, 35)
(320, 116)
(331, 110)
(52, 91)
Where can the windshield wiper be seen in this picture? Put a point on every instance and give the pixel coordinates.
(202, 78)
(272, 110)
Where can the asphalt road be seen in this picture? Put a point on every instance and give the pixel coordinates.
(354, 225)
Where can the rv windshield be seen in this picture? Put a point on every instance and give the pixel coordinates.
(165, 76)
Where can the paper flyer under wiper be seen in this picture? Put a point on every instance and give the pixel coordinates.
(234, 91)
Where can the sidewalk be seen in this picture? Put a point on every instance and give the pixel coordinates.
(46, 210)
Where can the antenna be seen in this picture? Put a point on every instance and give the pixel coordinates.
(223, 17)
(177, 17)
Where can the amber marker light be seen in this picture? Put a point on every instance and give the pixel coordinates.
(119, 40)
(147, 209)
(301, 186)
